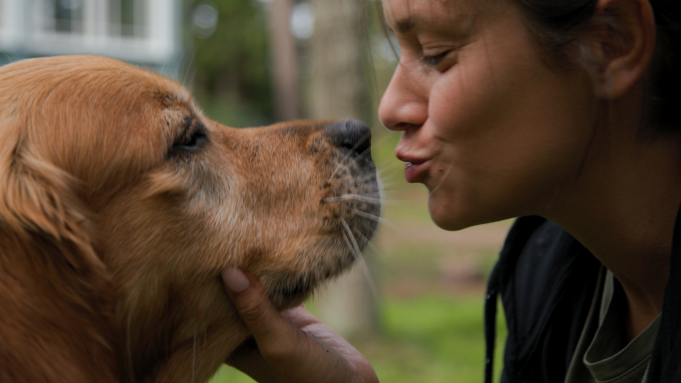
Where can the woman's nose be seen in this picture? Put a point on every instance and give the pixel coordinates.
(403, 105)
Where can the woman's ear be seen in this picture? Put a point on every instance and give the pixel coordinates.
(621, 42)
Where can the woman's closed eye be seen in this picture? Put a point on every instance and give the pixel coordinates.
(436, 60)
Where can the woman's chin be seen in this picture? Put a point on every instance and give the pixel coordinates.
(447, 216)
(453, 215)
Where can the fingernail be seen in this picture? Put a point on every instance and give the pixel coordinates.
(235, 280)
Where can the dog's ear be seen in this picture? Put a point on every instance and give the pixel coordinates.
(55, 298)
(39, 198)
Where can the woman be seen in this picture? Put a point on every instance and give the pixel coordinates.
(561, 112)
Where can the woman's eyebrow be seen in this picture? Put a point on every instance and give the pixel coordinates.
(405, 25)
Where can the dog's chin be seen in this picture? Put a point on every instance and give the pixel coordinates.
(288, 296)
(293, 290)
(290, 290)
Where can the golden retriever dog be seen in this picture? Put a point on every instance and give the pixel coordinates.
(121, 204)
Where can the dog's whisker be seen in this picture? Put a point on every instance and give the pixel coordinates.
(367, 215)
(385, 222)
(194, 360)
(362, 155)
(348, 234)
(354, 248)
(191, 80)
(385, 178)
(368, 177)
(391, 189)
(444, 178)
(335, 170)
(345, 197)
(388, 177)
(369, 278)
(376, 195)
(189, 68)
(380, 220)
(389, 184)
(388, 192)
(344, 161)
(352, 244)
(176, 72)
(390, 170)
(384, 137)
(370, 244)
(389, 166)
(128, 346)
(357, 197)
(356, 159)
(348, 154)
(349, 160)
(364, 198)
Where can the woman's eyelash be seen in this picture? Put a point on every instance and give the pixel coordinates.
(434, 60)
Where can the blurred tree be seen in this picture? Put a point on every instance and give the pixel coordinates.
(232, 64)
(339, 89)
(284, 57)
(338, 54)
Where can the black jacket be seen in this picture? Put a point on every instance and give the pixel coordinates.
(547, 280)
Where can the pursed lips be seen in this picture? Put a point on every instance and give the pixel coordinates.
(414, 167)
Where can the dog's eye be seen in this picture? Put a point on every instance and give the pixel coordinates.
(194, 139)
(192, 136)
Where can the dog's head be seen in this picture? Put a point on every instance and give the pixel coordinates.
(121, 203)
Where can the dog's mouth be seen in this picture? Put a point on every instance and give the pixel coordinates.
(294, 288)
(289, 292)
(295, 291)
(349, 212)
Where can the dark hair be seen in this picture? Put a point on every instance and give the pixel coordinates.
(558, 23)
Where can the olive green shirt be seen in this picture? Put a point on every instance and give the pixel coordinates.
(603, 353)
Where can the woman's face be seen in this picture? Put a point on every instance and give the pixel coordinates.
(488, 125)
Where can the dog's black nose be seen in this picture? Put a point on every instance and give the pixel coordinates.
(353, 135)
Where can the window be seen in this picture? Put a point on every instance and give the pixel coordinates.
(127, 18)
(132, 30)
(63, 16)
(58, 17)
(5, 31)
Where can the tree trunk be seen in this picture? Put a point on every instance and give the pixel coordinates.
(284, 64)
(338, 89)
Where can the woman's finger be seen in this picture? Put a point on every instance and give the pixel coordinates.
(311, 353)
(247, 359)
(268, 327)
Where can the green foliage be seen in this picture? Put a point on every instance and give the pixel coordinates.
(233, 62)
(231, 111)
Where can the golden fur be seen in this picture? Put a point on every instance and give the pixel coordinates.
(120, 206)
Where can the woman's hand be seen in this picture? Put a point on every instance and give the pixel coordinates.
(292, 346)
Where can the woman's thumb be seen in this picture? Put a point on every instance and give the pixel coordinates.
(253, 305)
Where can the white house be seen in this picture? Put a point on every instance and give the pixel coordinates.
(146, 32)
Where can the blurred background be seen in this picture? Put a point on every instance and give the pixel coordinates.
(414, 306)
